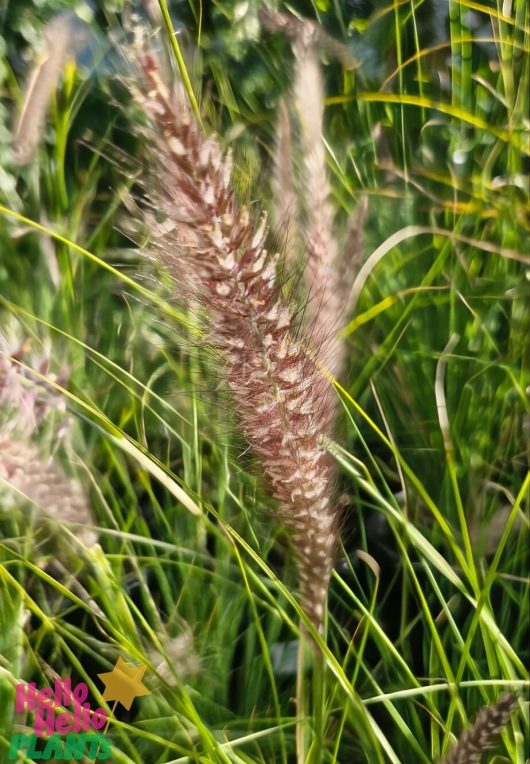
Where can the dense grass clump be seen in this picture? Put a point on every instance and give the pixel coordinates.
(119, 421)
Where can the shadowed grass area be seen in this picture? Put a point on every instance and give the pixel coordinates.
(428, 607)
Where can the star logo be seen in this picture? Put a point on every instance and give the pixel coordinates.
(124, 683)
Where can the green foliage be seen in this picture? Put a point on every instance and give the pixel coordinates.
(430, 621)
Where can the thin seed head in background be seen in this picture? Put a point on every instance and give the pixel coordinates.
(293, 27)
(43, 484)
(286, 213)
(25, 402)
(330, 265)
(64, 35)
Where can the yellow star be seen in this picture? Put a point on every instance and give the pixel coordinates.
(124, 683)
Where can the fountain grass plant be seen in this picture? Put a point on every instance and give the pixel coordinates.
(427, 609)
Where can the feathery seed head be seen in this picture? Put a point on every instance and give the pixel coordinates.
(25, 401)
(283, 399)
(483, 734)
(179, 658)
(45, 486)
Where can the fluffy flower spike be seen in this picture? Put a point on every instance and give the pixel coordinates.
(218, 258)
(25, 401)
(482, 736)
